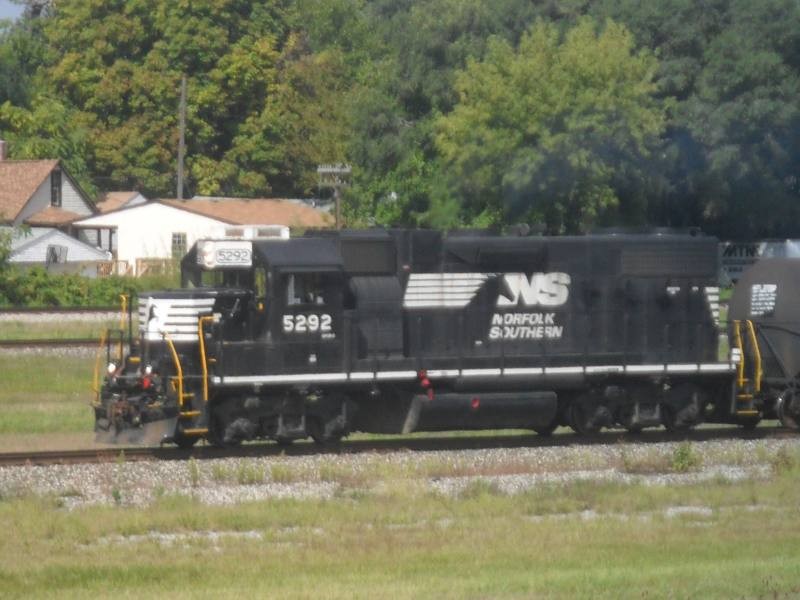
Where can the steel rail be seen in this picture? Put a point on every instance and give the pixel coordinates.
(108, 454)
(25, 310)
(50, 343)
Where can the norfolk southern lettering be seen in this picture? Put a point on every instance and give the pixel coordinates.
(540, 289)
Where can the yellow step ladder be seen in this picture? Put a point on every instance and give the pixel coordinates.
(746, 389)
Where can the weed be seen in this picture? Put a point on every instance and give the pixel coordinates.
(783, 461)
(194, 472)
(281, 473)
(642, 464)
(220, 473)
(249, 474)
(116, 494)
(684, 458)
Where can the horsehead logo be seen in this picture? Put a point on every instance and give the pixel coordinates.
(456, 290)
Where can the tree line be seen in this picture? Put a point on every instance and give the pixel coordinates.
(566, 115)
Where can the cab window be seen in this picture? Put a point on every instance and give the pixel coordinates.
(304, 288)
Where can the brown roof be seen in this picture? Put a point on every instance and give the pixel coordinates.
(256, 211)
(19, 180)
(114, 200)
(52, 216)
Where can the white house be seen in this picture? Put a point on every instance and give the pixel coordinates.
(161, 230)
(42, 197)
(57, 251)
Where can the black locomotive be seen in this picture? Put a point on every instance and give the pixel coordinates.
(395, 331)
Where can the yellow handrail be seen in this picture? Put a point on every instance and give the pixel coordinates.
(203, 357)
(123, 309)
(178, 368)
(123, 298)
(96, 378)
(737, 338)
(757, 353)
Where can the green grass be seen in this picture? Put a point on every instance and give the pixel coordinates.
(64, 330)
(403, 543)
(45, 393)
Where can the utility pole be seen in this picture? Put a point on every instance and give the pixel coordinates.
(181, 136)
(336, 177)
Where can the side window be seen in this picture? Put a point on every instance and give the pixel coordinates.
(55, 188)
(261, 283)
(304, 288)
(178, 245)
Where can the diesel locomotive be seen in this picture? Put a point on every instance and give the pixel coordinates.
(396, 331)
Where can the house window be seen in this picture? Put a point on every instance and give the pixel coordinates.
(178, 245)
(56, 254)
(55, 188)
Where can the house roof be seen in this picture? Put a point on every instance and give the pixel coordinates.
(255, 211)
(19, 180)
(52, 216)
(114, 200)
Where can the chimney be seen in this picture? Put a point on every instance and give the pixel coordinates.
(2, 149)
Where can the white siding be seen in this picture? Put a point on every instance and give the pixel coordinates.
(145, 231)
(71, 198)
(36, 250)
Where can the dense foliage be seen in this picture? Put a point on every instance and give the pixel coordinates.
(563, 113)
(39, 288)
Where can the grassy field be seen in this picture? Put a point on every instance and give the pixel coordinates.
(581, 540)
(384, 534)
(65, 330)
(45, 394)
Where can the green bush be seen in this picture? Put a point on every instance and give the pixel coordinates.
(36, 287)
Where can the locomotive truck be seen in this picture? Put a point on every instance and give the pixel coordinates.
(396, 331)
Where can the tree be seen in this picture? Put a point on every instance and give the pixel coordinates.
(48, 130)
(22, 52)
(541, 131)
(730, 153)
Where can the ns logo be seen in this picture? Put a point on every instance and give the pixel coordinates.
(541, 289)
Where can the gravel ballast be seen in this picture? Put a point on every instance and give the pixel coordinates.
(448, 472)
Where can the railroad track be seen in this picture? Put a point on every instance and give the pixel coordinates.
(385, 445)
(50, 343)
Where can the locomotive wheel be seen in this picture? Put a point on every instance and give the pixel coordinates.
(582, 417)
(316, 429)
(788, 409)
(184, 442)
(216, 434)
(547, 430)
(682, 409)
(670, 420)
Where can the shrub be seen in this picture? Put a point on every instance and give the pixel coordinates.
(36, 287)
(685, 458)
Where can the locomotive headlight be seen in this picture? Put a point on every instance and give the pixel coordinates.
(148, 369)
(111, 368)
(205, 254)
